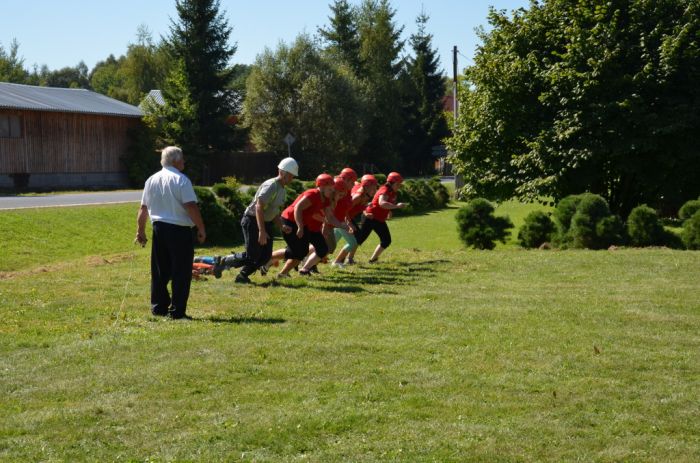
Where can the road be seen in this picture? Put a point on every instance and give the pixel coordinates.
(72, 199)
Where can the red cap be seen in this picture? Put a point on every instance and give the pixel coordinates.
(349, 174)
(394, 177)
(368, 179)
(339, 183)
(324, 180)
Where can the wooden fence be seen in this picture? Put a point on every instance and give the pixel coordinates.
(245, 166)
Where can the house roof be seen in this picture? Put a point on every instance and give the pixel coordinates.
(68, 100)
(155, 96)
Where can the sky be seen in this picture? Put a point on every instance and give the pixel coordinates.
(62, 33)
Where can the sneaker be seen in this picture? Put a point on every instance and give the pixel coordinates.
(242, 279)
(313, 269)
(372, 261)
(337, 265)
(305, 273)
(264, 269)
(350, 262)
(184, 316)
(283, 275)
(218, 267)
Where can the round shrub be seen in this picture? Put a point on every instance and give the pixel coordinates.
(292, 190)
(536, 230)
(479, 228)
(689, 209)
(644, 227)
(222, 226)
(442, 194)
(584, 231)
(231, 198)
(564, 212)
(691, 232)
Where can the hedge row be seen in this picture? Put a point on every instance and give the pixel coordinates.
(580, 221)
(223, 205)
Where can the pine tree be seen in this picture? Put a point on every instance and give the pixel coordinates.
(423, 91)
(200, 40)
(380, 46)
(342, 35)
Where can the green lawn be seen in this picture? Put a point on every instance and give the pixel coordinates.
(436, 354)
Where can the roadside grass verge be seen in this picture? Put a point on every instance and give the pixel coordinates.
(437, 353)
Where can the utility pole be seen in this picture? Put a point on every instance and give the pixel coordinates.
(454, 84)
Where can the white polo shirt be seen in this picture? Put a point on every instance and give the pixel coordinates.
(164, 195)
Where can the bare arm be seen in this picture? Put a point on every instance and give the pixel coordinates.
(260, 219)
(193, 211)
(298, 217)
(384, 204)
(331, 219)
(141, 219)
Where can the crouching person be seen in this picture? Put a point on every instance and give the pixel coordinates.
(305, 217)
(257, 224)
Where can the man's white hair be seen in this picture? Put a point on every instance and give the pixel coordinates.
(170, 155)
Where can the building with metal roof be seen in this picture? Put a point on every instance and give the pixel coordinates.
(63, 138)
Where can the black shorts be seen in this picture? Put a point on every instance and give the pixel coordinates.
(298, 248)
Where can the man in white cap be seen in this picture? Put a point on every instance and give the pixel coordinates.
(257, 222)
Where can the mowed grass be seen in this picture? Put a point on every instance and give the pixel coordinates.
(436, 354)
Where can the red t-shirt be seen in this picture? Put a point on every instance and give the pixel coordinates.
(379, 213)
(354, 210)
(313, 216)
(342, 206)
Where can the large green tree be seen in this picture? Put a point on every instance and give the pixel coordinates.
(342, 35)
(200, 41)
(296, 90)
(423, 91)
(569, 96)
(380, 47)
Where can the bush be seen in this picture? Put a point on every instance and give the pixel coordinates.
(644, 227)
(691, 232)
(536, 230)
(585, 221)
(231, 198)
(381, 179)
(689, 209)
(222, 226)
(585, 231)
(479, 228)
(442, 194)
(565, 211)
(292, 190)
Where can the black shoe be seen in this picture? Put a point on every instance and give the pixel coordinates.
(264, 269)
(305, 273)
(242, 279)
(218, 267)
(159, 313)
(314, 269)
(175, 316)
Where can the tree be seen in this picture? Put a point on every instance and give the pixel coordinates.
(423, 91)
(11, 65)
(200, 41)
(342, 36)
(380, 46)
(570, 96)
(66, 77)
(106, 79)
(295, 90)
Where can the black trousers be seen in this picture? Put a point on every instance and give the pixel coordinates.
(255, 256)
(172, 250)
(298, 248)
(380, 228)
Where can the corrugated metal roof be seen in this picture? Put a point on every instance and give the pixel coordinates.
(156, 96)
(69, 100)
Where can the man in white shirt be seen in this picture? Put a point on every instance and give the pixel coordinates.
(169, 199)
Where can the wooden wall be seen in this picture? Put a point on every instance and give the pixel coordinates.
(53, 142)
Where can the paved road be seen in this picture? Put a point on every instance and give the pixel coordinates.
(73, 199)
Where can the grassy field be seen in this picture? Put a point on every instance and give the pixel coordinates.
(436, 354)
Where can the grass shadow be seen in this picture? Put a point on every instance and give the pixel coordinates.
(244, 320)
